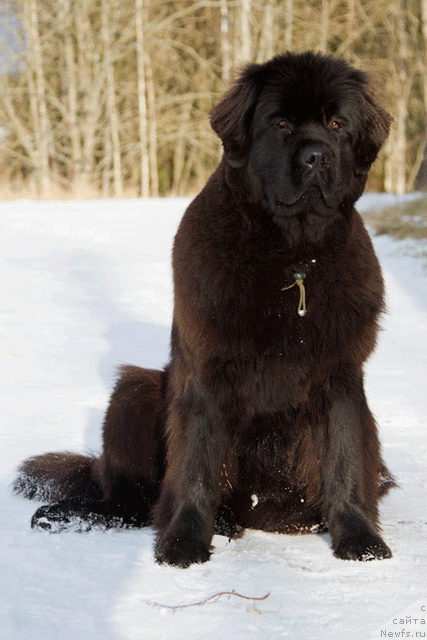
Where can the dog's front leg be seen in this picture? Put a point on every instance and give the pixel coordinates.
(185, 513)
(350, 463)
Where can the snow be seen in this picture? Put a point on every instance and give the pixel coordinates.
(86, 286)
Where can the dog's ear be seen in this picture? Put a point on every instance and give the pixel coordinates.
(231, 118)
(374, 131)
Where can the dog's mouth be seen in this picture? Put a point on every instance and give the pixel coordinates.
(314, 197)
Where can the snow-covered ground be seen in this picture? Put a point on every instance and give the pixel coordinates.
(86, 286)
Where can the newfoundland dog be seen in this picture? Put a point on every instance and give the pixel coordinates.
(260, 418)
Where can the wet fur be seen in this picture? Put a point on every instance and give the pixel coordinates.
(260, 419)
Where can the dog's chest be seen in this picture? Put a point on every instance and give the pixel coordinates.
(282, 303)
(302, 310)
(286, 290)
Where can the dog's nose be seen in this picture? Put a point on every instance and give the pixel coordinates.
(314, 156)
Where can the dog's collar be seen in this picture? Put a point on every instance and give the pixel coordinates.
(299, 277)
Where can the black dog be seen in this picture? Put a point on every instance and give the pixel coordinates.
(260, 419)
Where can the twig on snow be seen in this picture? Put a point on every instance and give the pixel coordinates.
(202, 602)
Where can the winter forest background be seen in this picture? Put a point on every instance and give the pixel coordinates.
(102, 98)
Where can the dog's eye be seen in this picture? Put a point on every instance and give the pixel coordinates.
(335, 126)
(283, 124)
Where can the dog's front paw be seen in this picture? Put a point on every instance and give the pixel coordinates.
(364, 547)
(181, 551)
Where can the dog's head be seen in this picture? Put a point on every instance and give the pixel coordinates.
(305, 128)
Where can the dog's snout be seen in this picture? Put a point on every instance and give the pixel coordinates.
(314, 156)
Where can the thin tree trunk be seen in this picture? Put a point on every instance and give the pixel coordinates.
(72, 107)
(108, 161)
(400, 146)
(225, 43)
(142, 99)
(324, 26)
(423, 6)
(67, 23)
(395, 168)
(32, 95)
(179, 151)
(289, 28)
(111, 101)
(395, 174)
(351, 16)
(152, 125)
(89, 85)
(402, 105)
(39, 107)
(266, 47)
(245, 32)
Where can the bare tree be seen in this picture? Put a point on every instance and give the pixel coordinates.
(351, 15)
(113, 120)
(90, 80)
(402, 77)
(267, 39)
(225, 42)
(180, 150)
(245, 49)
(289, 24)
(142, 98)
(37, 94)
(152, 128)
(324, 26)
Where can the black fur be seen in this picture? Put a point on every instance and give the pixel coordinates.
(260, 419)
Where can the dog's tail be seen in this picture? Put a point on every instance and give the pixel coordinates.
(133, 453)
(52, 477)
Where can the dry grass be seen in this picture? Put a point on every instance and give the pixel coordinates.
(79, 191)
(407, 220)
